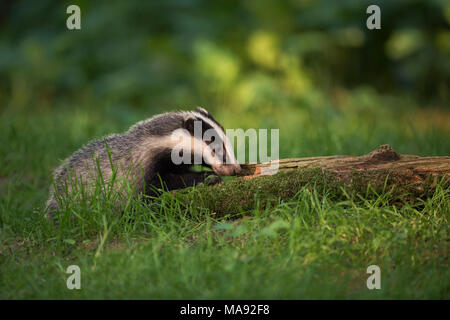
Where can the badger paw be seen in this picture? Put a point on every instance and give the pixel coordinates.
(212, 180)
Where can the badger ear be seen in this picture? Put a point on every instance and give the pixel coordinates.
(188, 123)
(202, 111)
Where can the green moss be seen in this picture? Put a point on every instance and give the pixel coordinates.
(243, 195)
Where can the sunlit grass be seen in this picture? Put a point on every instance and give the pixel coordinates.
(306, 247)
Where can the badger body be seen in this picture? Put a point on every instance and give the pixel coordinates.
(142, 158)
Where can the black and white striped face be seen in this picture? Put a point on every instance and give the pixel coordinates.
(208, 143)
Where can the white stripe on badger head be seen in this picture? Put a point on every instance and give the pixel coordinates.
(182, 140)
(230, 158)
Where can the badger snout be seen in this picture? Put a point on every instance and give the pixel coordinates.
(227, 169)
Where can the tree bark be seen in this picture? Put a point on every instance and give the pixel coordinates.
(414, 169)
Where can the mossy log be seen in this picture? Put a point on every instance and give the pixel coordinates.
(402, 177)
(413, 168)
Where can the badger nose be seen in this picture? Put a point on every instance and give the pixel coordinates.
(227, 170)
(235, 169)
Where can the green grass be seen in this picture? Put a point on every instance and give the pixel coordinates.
(311, 245)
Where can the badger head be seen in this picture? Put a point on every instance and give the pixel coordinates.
(202, 140)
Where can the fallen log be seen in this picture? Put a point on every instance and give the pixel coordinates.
(402, 177)
(414, 168)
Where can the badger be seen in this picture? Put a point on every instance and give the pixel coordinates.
(143, 158)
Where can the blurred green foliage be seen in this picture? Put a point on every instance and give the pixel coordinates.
(242, 54)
